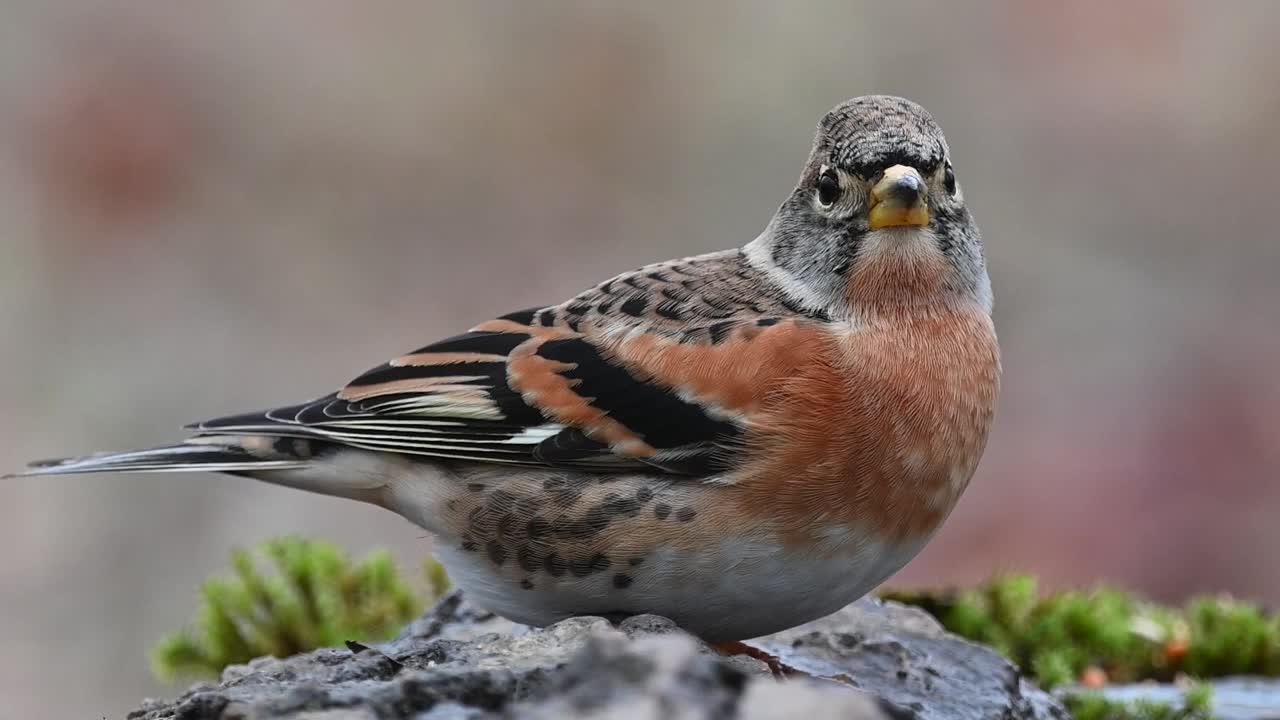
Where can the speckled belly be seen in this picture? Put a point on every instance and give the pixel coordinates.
(539, 548)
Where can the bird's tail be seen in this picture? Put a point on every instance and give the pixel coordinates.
(205, 454)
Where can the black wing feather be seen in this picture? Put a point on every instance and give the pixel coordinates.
(477, 415)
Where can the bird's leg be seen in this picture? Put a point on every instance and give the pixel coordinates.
(776, 667)
(617, 618)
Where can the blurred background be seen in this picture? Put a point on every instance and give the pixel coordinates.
(213, 207)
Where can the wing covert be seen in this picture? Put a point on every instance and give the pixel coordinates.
(519, 389)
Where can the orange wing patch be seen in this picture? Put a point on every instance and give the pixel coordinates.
(539, 382)
(511, 326)
(426, 359)
(735, 375)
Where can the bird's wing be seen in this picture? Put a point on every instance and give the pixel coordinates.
(585, 384)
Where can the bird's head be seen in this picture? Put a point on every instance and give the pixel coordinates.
(878, 220)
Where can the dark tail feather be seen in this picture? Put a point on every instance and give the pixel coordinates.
(204, 455)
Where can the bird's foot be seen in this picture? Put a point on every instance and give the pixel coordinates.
(776, 667)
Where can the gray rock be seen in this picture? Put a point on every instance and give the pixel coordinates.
(870, 661)
(903, 656)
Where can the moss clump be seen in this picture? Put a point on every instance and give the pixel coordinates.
(317, 597)
(1195, 706)
(1107, 634)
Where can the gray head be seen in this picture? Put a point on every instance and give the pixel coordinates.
(878, 219)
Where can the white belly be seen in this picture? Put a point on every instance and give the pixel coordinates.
(734, 590)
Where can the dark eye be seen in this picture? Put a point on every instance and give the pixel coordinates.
(949, 179)
(828, 189)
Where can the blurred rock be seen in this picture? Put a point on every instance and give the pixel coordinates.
(872, 661)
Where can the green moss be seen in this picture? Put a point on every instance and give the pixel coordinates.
(1195, 706)
(317, 597)
(1109, 635)
(1058, 637)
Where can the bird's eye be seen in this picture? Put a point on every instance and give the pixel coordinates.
(949, 179)
(828, 189)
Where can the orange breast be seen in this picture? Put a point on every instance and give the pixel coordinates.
(873, 428)
(881, 431)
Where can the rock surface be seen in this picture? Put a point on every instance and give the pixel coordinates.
(870, 661)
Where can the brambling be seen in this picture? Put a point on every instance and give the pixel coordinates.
(741, 441)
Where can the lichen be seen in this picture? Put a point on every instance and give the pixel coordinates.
(317, 597)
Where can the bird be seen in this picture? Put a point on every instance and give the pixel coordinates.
(741, 441)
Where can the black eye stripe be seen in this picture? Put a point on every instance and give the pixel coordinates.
(949, 179)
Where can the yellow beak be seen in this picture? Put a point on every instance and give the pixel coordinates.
(898, 199)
